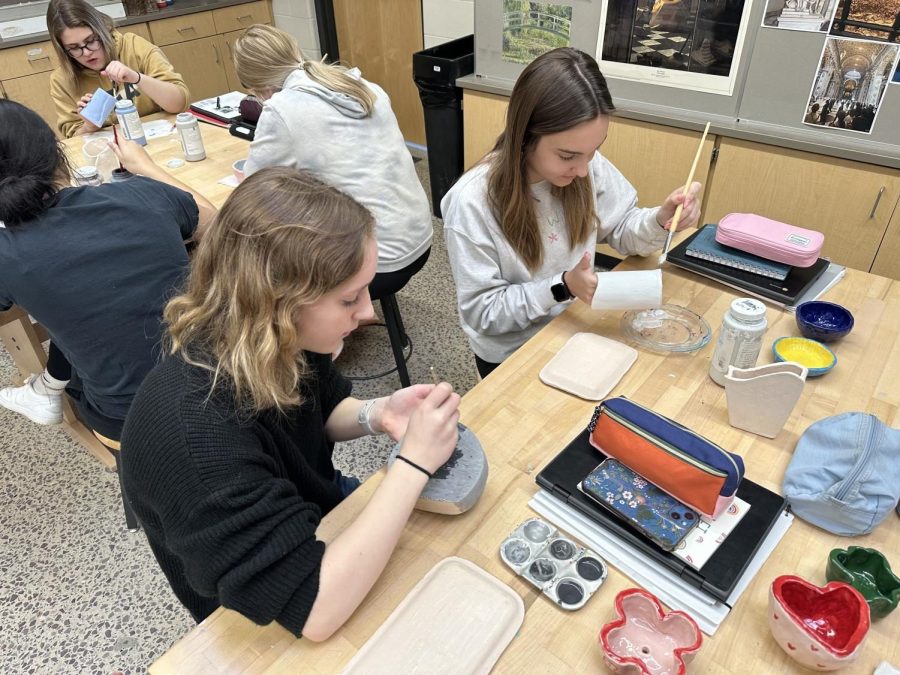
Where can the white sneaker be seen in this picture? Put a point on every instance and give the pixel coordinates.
(39, 408)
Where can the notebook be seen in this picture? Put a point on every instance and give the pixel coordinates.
(705, 247)
(724, 569)
(781, 293)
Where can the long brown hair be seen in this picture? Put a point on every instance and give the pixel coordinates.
(264, 56)
(62, 14)
(280, 242)
(555, 92)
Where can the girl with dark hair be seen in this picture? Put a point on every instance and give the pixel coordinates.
(94, 265)
(522, 225)
(93, 54)
(226, 455)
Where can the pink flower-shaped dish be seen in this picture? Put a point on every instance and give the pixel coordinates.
(646, 640)
(821, 628)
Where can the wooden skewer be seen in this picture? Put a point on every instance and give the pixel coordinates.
(687, 186)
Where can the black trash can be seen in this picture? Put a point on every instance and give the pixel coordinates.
(435, 71)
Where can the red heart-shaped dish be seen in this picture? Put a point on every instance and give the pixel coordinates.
(821, 627)
(645, 639)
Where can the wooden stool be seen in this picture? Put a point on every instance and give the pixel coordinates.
(115, 448)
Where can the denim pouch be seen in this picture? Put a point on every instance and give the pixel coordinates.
(845, 473)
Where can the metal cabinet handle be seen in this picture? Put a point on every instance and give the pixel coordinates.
(245, 17)
(877, 201)
(218, 59)
(186, 29)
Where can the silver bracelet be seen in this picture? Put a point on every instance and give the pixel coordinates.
(363, 416)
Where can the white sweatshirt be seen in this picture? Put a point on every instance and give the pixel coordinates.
(501, 303)
(308, 126)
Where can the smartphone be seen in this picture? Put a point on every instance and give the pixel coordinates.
(656, 514)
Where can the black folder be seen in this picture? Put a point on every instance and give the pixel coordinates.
(721, 573)
(785, 292)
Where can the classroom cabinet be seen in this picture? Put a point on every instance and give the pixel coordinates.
(856, 205)
(201, 46)
(202, 65)
(850, 202)
(25, 77)
(655, 159)
(31, 91)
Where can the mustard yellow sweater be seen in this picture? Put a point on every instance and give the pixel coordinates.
(136, 53)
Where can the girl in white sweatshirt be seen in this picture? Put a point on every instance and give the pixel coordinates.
(522, 225)
(328, 120)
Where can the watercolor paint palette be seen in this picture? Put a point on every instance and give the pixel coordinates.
(562, 570)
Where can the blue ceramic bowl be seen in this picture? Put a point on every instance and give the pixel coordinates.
(817, 358)
(823, 321)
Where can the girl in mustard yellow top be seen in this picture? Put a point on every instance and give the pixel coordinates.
(92, 54)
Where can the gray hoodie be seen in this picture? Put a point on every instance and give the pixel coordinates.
(308, 126)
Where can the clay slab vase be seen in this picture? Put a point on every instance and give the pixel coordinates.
(646, 640)
(869, 572)
(761, 399)
(820, 628)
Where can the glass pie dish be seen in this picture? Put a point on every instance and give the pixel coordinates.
(670, 328)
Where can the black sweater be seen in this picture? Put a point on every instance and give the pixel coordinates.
(230, 504)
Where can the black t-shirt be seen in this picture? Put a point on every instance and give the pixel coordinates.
(230, 503)
(96, 270)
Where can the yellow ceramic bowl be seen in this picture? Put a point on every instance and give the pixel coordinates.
(814, 355)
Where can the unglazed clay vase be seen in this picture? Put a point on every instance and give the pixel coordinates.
(820, 628)
(870, 573)
(645, 640)
(761, 399)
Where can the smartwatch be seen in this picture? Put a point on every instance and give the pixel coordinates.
(561, 292)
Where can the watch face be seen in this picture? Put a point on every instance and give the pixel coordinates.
(560, 292)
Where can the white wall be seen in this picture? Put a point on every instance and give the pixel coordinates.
(298, 17)
(445, 20)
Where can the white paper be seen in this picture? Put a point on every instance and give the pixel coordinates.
(638, 289)
(708, 612)
(158, 128)
(230, 181)
(706, 537)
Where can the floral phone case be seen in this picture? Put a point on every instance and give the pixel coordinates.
(657, 514)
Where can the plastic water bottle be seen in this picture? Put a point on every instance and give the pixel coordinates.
(191, 140)
(740, 338)
(130, 122)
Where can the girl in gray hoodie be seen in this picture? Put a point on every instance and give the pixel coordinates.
(328, 120)
(522, 225)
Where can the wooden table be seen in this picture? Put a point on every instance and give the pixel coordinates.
(23, 339)
(523, 424)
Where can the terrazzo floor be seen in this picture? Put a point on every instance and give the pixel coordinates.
(78, 592)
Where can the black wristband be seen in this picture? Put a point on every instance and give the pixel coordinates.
(138, 80)
(414, 465)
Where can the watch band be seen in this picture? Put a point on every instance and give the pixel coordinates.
(363, 416)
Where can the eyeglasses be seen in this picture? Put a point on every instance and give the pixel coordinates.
(91, 45)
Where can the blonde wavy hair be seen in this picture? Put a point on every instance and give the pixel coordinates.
(264, 56)
(280, 242)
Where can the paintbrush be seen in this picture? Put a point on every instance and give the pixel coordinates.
(680, 208)
(116, 141)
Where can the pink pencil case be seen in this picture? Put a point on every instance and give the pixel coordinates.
(770, 239)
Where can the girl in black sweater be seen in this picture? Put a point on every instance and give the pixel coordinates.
(227, 448)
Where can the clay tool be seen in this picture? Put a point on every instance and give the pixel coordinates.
(687, 187)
